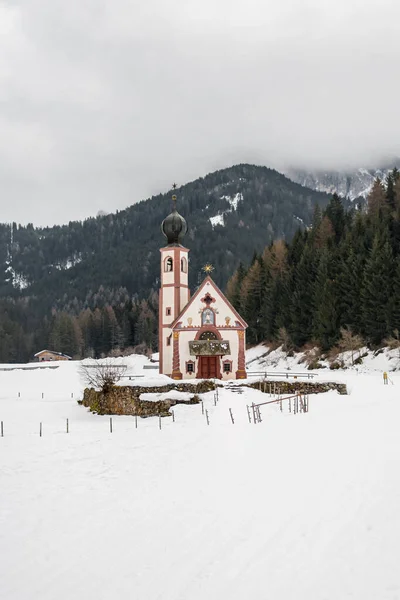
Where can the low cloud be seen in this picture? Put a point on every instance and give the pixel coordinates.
(106, 103)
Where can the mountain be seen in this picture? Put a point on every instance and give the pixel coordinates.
(230, 213)
(347, 183)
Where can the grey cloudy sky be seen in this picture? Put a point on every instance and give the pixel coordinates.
(106, 102)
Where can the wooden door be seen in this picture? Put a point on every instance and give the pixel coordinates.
(208, 367)
(212, 367)
(204, 367)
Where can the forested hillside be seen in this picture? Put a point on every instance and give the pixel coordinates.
(89, 287)
(343, 273)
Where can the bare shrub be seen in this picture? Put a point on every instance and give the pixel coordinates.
(393, 342)
(311, 357)
(102, 374)
(285, 340)
(350, 342)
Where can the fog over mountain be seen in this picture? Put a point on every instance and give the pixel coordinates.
(105, 103)
(351, 184)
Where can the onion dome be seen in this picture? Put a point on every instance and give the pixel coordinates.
(174, 227)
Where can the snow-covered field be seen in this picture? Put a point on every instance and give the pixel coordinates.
(298, 507)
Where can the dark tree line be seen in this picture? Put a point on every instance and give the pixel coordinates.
(109, 323)
(342, 272)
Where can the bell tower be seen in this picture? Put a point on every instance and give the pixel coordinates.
(174, 291)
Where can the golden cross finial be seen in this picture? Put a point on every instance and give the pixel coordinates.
(174, 186)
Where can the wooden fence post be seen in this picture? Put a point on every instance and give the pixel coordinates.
(67, 426)
(248, 413)
(40, 429)
(110, 424)
(230, 412)
(2, 429)
(208, 421)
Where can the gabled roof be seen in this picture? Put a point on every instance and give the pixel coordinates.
(198, 292)
(52, 352)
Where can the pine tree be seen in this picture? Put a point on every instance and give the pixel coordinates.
(395, 299)
(350, 281)
(391, 191)
(251, 300)
(377, 291)
(234, 286)
(326, 318)
(335, 213)
(376, 200)
(301, 301)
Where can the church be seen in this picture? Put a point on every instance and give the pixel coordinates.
(201, 336)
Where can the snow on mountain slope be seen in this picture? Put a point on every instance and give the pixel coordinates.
(233, 201)
(296, 507)
(349, 184)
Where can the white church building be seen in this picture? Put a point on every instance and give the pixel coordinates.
(200, 336)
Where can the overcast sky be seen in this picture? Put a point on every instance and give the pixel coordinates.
(106, 102)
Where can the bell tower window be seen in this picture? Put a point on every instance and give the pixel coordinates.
(183, 265)
(168, 265)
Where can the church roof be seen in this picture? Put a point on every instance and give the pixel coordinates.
(198, 292)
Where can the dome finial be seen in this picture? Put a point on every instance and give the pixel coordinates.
(174, 226)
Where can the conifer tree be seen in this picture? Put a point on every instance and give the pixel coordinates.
(376, 200)
(395, 300)
(377, 291)
(335, 213)
(326, 321)
(391, 191)
(301, 302)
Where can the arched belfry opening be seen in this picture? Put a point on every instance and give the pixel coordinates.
(168, 264)
(183, 265)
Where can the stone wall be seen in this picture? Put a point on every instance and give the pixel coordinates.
(124, 400)
(304, 387)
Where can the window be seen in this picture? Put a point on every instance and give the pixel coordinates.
(168, 265)
(227, 366)
(183, 265)
(169, 340)
(208, 335)
(168, 311)
(190, 366)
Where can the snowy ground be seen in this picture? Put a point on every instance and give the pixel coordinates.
(298, 507)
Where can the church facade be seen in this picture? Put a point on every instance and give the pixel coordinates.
(200, 336)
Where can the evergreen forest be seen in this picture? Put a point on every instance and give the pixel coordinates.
(340, 274)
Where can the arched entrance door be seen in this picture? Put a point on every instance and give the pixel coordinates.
(209, 366)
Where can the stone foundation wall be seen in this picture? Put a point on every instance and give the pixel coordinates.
(124, 400)
(304, 387)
